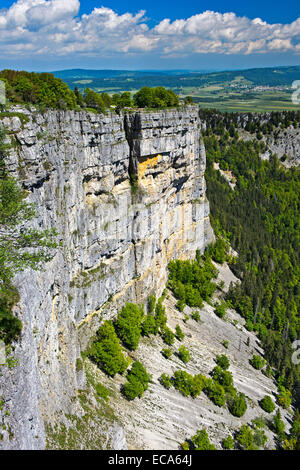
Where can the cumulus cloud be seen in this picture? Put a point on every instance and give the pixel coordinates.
(53, 27)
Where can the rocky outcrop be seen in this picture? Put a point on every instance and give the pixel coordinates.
(126, 194)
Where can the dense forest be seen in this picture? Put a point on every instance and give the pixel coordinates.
(260, 217)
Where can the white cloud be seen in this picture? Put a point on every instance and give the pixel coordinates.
(53, 28)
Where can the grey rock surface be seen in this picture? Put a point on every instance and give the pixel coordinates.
(118, 233)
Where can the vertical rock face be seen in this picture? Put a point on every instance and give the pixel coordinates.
(126, 194)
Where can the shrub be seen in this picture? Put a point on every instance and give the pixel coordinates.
(184, 354)
(179, 333)
(223, 361)
(165, 380)
(139, 373)
(201, 441)
(160, 315)
(267, 404)
(228, 443)
(225, 343)
(128, 325)
(216, 393)
(199, 383)
(284, 397)
(238, 405)
(137, 381)
(133, 389)
(186, 318)
(196, 316)
(279, 426)
(220, 310)
(257, 362)
(167, 353)
(183, 382)
(180, 305)
(149, 326)
(168, 336)
(151, 303)
(10, 326)
(107, 352)
(245, 438)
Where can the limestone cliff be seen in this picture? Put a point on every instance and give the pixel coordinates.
(126, 194)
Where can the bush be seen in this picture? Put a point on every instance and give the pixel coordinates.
(149, 326)
(168, 336)
(180, 305)
(166, 352)
(158, 97)
(137, 381)
(184, 354)
(151, 303)
(245, 438)
(128, 325)
(279, 426)
(166, 381)
(160, 315)
(216, 393)
(228, 443)
(139, 373)
(225, 343)
(284, 397)
(257, 362)
(10, 326)
(179, 333)
(107, 352)
(238, 406)
(133, 389)
(223, 361)
(220, 309)
(196, 316)
(183, 382)
(267, 404)
(201, 441)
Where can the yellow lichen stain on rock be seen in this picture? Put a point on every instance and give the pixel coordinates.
(151, 162)
(53, 307)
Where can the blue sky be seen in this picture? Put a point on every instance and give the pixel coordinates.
(187, 34)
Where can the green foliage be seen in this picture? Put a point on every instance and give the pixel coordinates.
(160, 315)
(137, 381)
(218, 251)
(267, 404)
(151, 303)
(41, 89)
(107, 352)
(157, 97)
(180, 305)
(179, 333)
(257, 362)
(216, 393)
(168, 336)
(228, 443)
(225, 343)
(149, 326)
(245, 438)
(284, 397)
(279, 426)
(201, 441)
(196, 316)
(223, 361)
(166, 381)
(261, 218)
(191, 281)
(184, 354)
(238, 405)
(167, 353)
(184, 382)
(128, 325)
(220, 309)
